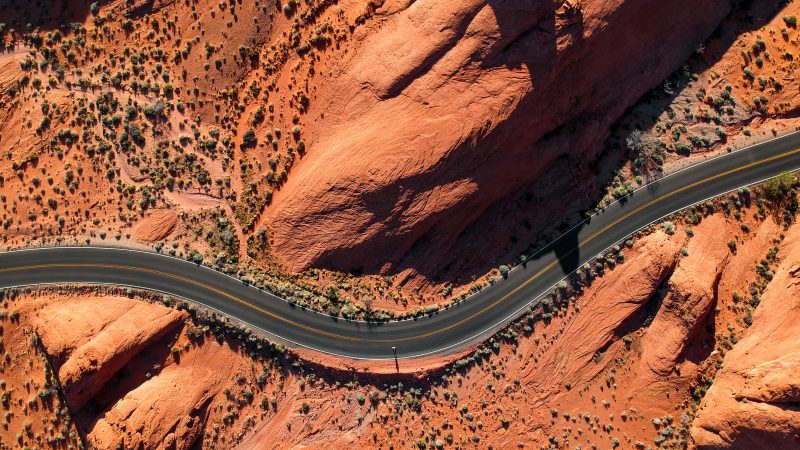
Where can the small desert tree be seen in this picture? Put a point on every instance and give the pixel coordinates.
(779, 185)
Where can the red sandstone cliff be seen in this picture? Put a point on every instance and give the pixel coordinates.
(753, 400)
(446, 108)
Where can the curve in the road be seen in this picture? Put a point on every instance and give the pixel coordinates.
(465, 322)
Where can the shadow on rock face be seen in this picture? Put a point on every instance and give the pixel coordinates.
(426, 164)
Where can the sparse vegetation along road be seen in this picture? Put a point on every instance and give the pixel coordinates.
(439, 332)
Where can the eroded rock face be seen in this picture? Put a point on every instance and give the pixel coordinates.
(447, 108)
(131, 375)
(608, 308)
(169, 410)
(94, 350)
(753, 400)
(691, 296)
(157, 225)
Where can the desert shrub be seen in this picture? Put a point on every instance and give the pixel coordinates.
(504, 271)
(135, 134)
(249, 139)
(683, 148)
(779, 185)
(155, 111)
(668, 227)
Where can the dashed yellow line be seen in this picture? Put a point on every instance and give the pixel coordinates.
(410, 338)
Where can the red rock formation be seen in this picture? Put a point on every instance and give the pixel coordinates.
(156, 226)
(447, 108)
(691, 296)
(149, 385)
(170, 408)
(752, 402)
(603, 318)
(94, 350)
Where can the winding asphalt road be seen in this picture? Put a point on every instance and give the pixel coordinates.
(473, 319)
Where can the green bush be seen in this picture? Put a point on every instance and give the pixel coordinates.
(504, 271)
(779, 185)
(249, 139)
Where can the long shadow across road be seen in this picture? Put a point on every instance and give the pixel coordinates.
(450, 329)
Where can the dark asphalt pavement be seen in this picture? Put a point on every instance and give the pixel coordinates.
(474, 319)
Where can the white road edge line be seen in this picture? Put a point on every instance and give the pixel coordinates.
(478, 336)
(515, 266)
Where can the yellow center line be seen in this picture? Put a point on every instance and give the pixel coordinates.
(190, 281)
(420, 336)
(585, 241)
(689, 186)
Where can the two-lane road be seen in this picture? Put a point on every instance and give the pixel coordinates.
(471, 320)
